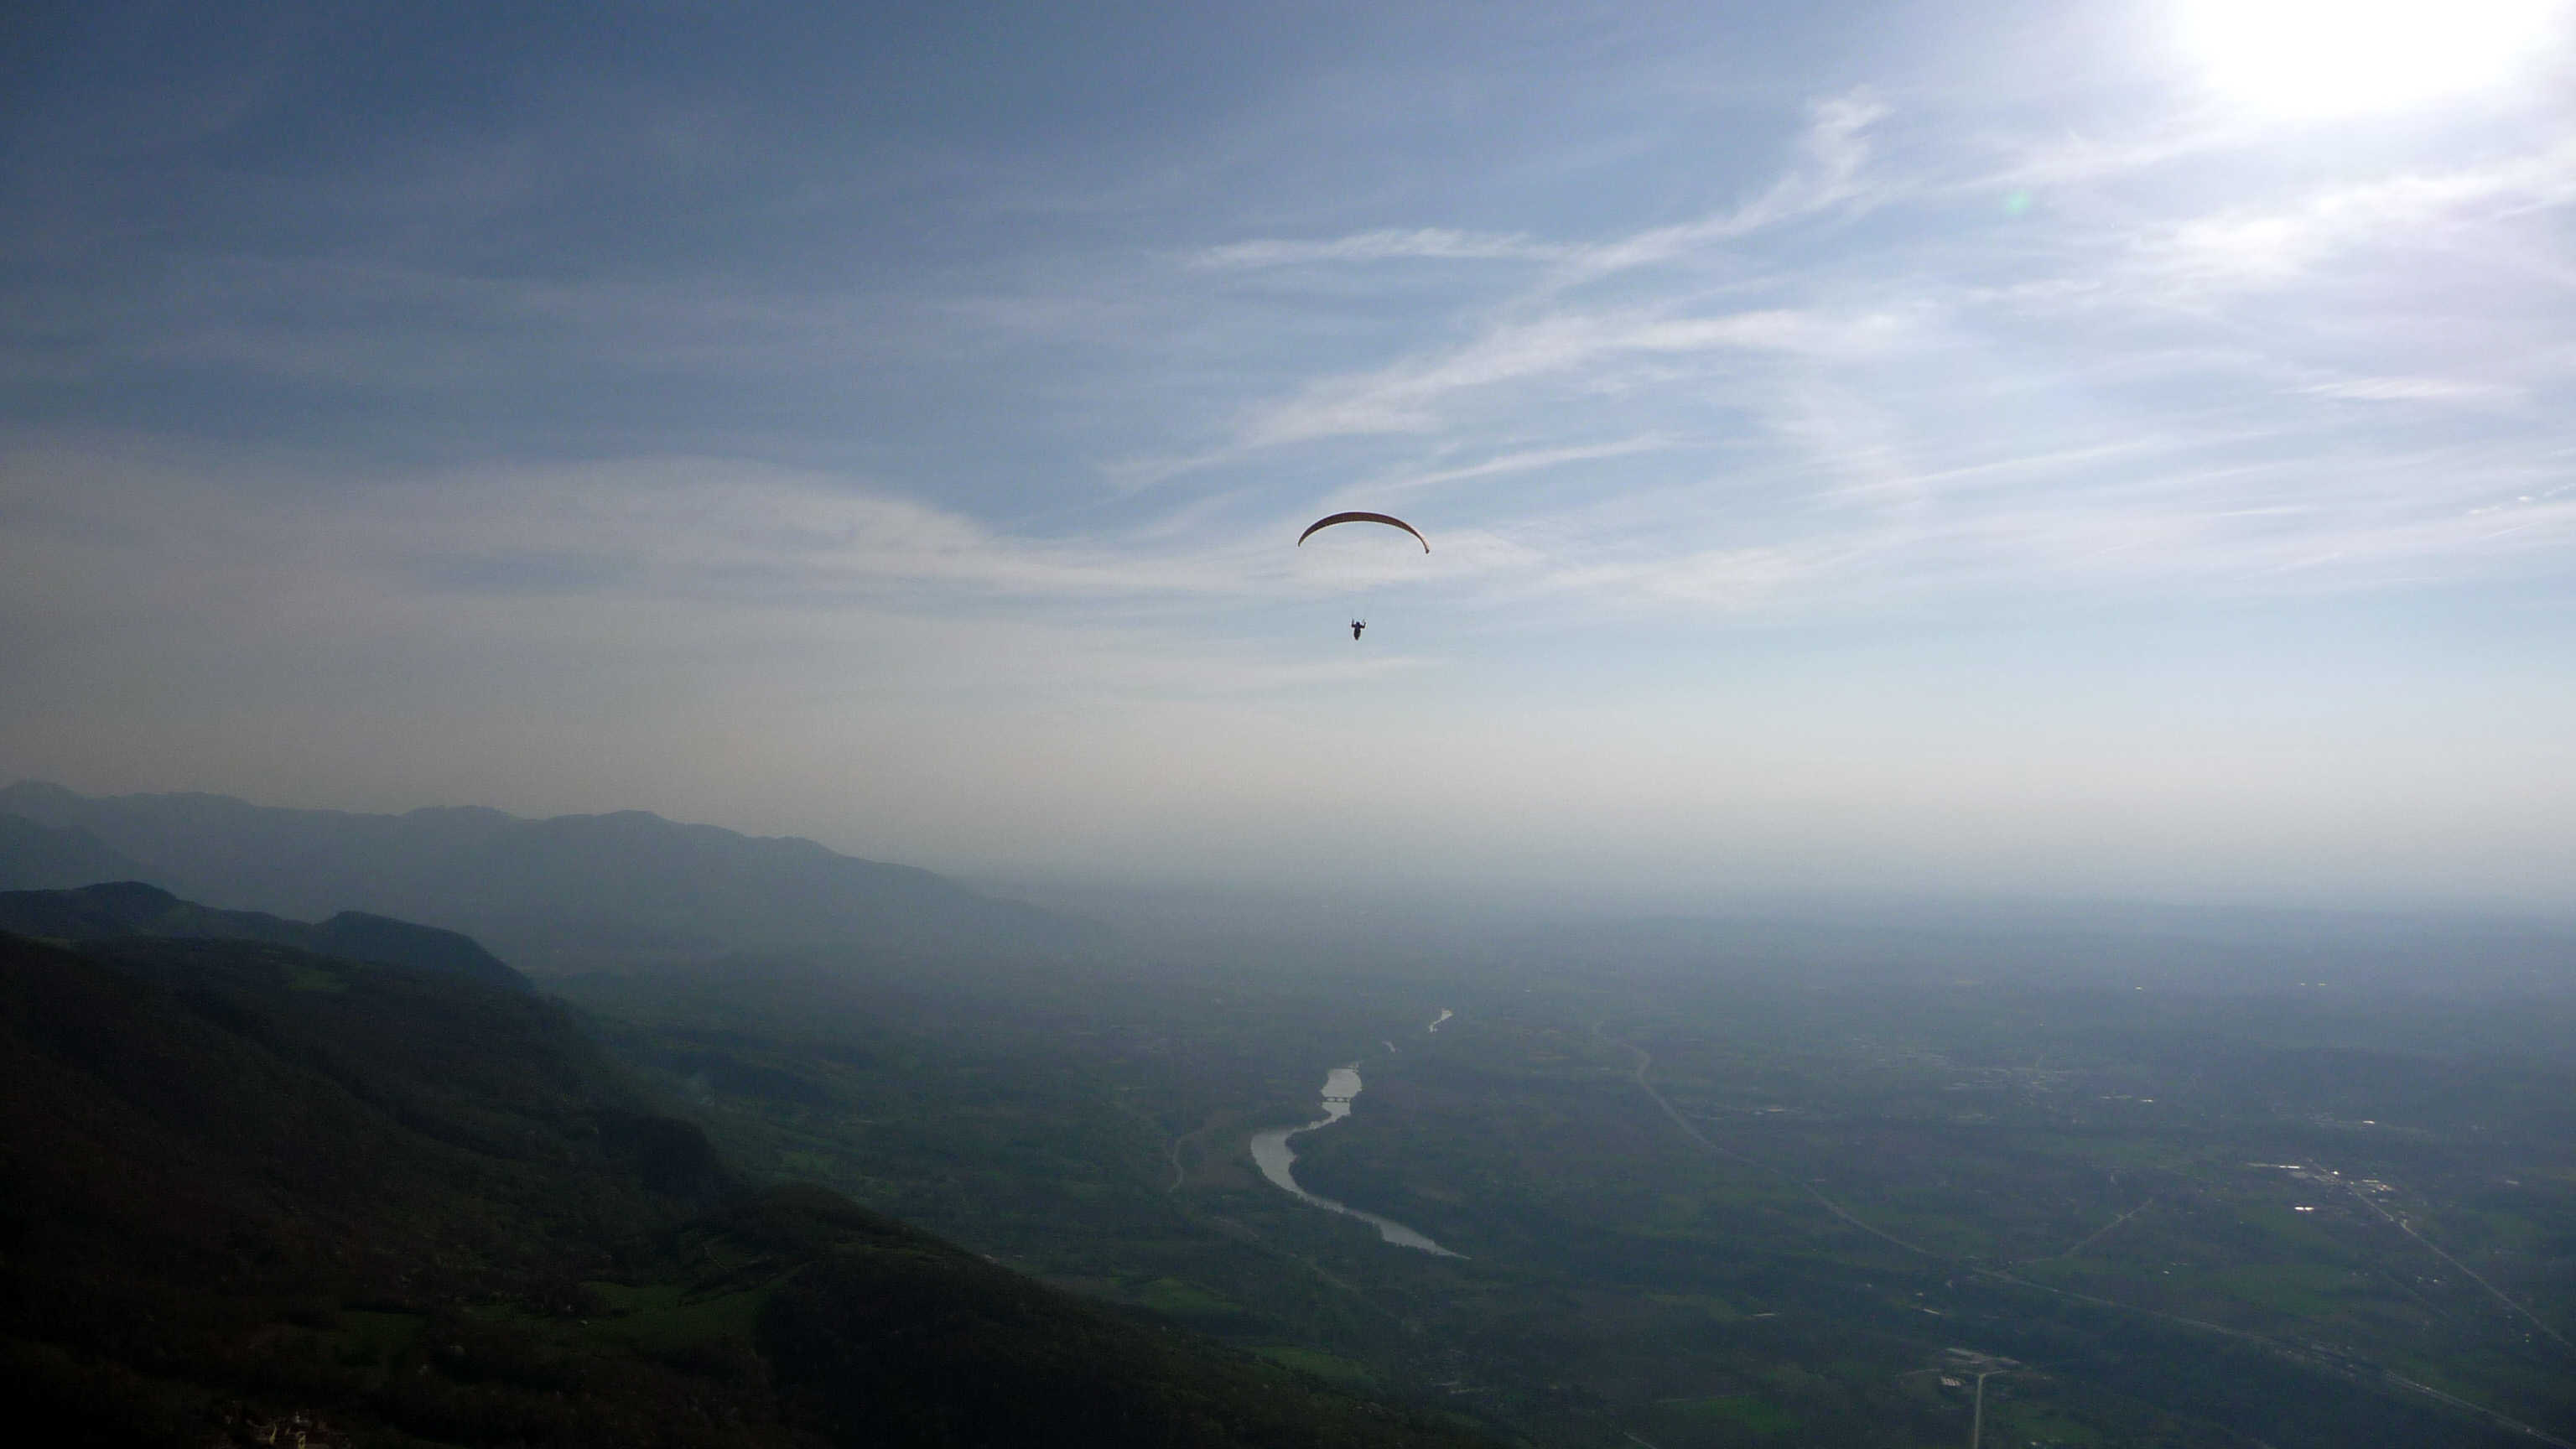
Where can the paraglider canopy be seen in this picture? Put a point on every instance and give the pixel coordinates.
(1388, 520)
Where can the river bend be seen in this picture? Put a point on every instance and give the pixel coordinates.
(1271, 1153)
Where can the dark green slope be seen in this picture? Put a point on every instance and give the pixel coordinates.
(131, 908)
(242, 1183)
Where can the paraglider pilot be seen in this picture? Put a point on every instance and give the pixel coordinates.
(1356, 626)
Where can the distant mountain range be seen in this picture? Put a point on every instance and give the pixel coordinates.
(38, 857)
(559, 893)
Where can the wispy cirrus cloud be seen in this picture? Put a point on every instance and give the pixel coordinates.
(1854, 379)
(1409, 396)
(1544, 330)
(2403, 389)
(2269, 245)
(1506, 464)
(1848, 376)
(1388, 244)
(1827, 172)
(2209, 530)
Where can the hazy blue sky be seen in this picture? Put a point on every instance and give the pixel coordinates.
(2121, 449)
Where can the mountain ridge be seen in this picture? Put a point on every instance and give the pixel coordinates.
(35, 856)
(563, 891)
(118, 910)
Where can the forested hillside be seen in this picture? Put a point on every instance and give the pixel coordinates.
(253, 1192)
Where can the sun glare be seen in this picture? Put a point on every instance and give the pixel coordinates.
(2323, 58)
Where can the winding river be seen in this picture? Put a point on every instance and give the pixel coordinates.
(1271, 1153)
